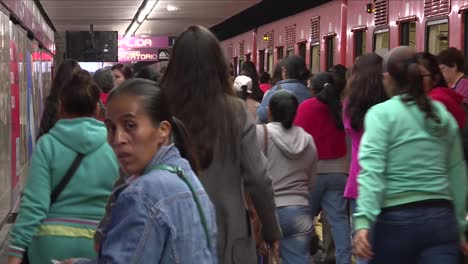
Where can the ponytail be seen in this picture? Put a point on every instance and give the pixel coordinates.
(81, 95)
(283, 107)
(328, 90)
(181, 140)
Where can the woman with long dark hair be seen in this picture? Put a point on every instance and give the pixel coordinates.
(365, 87)
(412, 183)
(321, 117)
(50, 114)
(224, 139)
(162, 214)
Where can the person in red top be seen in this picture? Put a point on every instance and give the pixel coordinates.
(436, 87)
(265, 81)
(320, 116)
(105, 80)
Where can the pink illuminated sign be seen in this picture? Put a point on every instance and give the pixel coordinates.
(140, 48)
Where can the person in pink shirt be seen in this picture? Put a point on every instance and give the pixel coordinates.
(365, 89)
(452, 65)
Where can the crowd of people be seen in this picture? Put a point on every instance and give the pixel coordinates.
(201, 166)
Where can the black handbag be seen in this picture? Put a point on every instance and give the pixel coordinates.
(58, 190)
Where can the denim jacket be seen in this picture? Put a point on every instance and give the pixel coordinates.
(155, 218)
(295, 86)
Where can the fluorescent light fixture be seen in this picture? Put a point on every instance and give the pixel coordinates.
(146, 10)
(133, 28)
(172, 8)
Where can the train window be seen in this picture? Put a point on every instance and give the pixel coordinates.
(408, 34)
(241, 61)
(315, 58)
(302, 49)
(234, 63)
(329, 52)
(437, 36)
(359, 43)
(279, 53)
(290, 51)
(381, 41)
(261, 59)
(270, 63)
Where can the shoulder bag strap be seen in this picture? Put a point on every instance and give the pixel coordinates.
(66, 179)
(181, 174)
(265, 140)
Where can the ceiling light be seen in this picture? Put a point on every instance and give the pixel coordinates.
(146, 10)
(172, 8)
(133, 28)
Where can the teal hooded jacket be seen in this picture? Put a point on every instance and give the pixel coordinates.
(85, 196)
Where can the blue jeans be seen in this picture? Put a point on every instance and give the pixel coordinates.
(422, 235)
(296, 223)
(328, 193)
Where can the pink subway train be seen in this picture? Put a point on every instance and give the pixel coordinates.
(341, 30)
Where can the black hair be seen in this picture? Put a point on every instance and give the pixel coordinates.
(277, 73)
(126, 71)
(402, 65)
(264, 77)
(149, 73)
(283, 107)
(156, 106)
(340, 72)
(430, 62)
(203, 97)
(365, 86)
(296, 68)
(327, 91)
(63, 75)
(81, 96)
(452, 57)
(248, 69)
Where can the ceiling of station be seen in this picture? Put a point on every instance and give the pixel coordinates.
(116, 15)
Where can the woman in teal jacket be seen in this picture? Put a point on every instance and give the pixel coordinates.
(65, 228)
(412, 185)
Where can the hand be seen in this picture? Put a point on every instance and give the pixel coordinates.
(464, 247)
(14, 260)
(362, 247)
(275, 245)
(68, 261)
(97, 247)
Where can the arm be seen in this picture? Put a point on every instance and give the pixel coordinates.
(373, 159)
(134, 234)
(262, 108)
(313, 166)
(34, 204)
(458, 182)
(257, 181)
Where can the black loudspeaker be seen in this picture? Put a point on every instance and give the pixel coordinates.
(97, 46)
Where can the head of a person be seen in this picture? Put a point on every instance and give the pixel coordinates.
(429, 67)
(264, 77)
(277, 73)
(451, 64)
(81, 98)
(243, 86)
(283, 107)
(402, 76)
(199, 97)
(294, 67)
(248, 69)
(63, 75)
(139, 123)
(339, 69)
(149, 73)
(105, 80)
(122, 73)
(365, 88)
(324, 87)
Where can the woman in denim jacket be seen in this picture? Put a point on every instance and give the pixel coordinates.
(163, 214)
